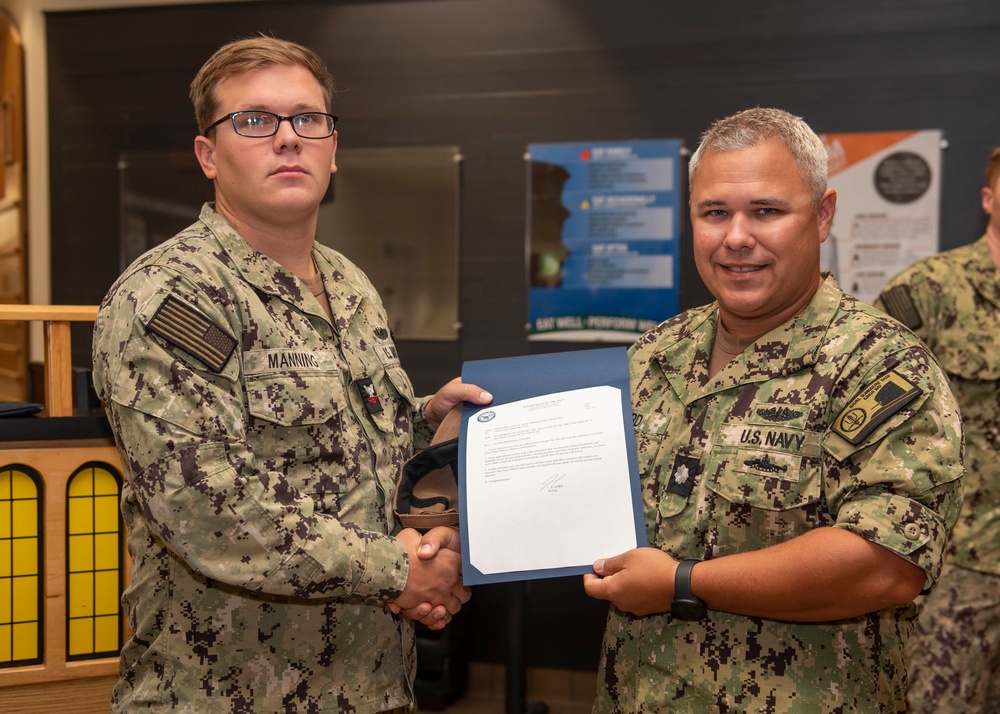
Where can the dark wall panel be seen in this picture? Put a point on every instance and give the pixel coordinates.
(492, 76)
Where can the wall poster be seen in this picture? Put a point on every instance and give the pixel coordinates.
(603, 233)
(888, 205)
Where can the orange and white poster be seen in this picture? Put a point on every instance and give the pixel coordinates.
(888, 205)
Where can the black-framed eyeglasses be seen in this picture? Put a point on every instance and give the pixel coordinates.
(257, 124)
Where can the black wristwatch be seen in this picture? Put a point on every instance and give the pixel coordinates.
(685, 605)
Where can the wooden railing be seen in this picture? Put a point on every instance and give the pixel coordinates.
(58, 351)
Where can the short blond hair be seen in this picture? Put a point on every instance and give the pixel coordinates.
(249, 54)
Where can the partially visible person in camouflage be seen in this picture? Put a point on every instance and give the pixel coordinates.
(952, 301)
(262, 414)
(800, 456)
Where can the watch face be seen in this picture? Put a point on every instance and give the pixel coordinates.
(685, 609)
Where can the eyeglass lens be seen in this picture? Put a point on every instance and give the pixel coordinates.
(308, 125)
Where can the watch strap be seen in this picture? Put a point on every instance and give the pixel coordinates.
(686, 605)
(682, 578)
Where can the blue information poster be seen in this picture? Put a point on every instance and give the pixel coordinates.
(603, 233)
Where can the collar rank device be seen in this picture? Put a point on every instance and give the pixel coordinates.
(686, 606)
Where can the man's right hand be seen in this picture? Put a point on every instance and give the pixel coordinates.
(434, 590)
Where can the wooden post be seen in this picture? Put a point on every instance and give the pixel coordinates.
(58, 351)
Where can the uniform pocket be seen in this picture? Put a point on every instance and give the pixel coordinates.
(295, 420)
(768, 467)
(293, 399)
(769, 481)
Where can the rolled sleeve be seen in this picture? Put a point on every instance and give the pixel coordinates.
(904, 491)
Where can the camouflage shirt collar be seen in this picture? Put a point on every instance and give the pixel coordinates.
(270, 277)
(788, 348)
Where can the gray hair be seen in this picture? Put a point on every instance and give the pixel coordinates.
(752, 127)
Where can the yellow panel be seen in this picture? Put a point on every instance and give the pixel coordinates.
(106, 634)
(81, 515)
(5, 600)
(81, 637)
(106, 552)
(25, 556)
(26, 641)
(105, 514)
(4, 519)
(4, 558)
(82, 484)
(23, 486)
(25, 516)
(80, 602)
(5, 477)
(106, 593)
(6, 644)
(26, 599)
(105, 484)
(81, 553)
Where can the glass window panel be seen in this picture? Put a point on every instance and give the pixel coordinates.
(105, 514)
(80, 602)
(23, 486)
(94, 594)
(106, 593)
(25, 518)
(82, 484)
(81, 553)
(5, 518)
(411, 252)
(81, 513)
(25, 556)
(25, 641)
(25, 591)
(106, 552)
(81, 637)
(105, 483)
(106, 634)
(6, 643)
(6, 605)
(20, 636)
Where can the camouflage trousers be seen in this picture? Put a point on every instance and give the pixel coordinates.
(953, 657)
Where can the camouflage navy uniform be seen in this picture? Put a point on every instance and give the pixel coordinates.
(772, 446)
(952, 301)
(256, 481)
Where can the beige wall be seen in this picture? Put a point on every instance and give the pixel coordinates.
(29, 15)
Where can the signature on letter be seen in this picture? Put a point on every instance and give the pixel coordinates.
(551, 481)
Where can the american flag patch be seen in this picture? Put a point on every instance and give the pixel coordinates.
(899, 304)
(183, 326)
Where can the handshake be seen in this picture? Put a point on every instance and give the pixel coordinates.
(434, 591)
(426, 502)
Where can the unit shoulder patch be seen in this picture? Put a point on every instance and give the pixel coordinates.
(183, 326)
(879, 401)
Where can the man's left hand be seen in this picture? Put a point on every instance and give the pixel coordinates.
(449, 396)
